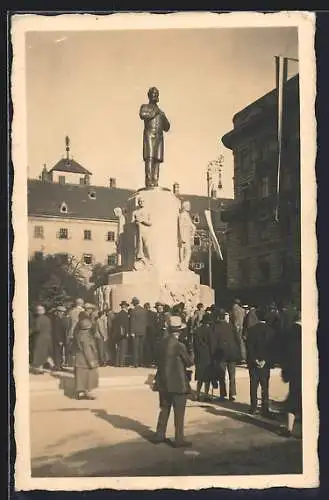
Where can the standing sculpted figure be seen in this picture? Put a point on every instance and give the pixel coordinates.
(186, 233)
(155, 123)
(142, 220)
(120, 231)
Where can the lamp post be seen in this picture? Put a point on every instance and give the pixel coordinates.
(214, 173)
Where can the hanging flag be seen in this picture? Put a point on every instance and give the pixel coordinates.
(281, 79)
(212, 234)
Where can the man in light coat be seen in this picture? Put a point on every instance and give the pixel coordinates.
(237, 318)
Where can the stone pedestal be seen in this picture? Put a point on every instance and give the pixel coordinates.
(163, 207)
(151, 286)
(162, 281)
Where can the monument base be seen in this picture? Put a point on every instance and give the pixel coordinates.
(148, 286)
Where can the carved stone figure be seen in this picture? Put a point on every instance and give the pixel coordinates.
(142, 221)
(120, 234)
(186, 233)
(107, 296)
(155, 123)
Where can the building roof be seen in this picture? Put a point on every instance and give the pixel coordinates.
(259, 111)
(70, 165)
(98, 202)
(83, 202)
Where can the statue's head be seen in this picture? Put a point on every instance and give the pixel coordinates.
(153, 95)
(140, 202)
(186, 205)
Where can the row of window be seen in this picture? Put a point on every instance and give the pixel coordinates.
(260, 150)
(92, 196)
(263, 266)
(87, 258)
(63, 234)
(84, 181)
(264, 230)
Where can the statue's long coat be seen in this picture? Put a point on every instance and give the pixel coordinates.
(153, 144)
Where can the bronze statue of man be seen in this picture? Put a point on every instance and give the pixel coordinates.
(155, 123)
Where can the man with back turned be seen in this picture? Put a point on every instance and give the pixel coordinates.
(172, 382)
(155, 123)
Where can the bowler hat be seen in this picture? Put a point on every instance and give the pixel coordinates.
(158, 304)
(176, 323)
(135, 300)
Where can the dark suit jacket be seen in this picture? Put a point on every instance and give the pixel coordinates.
(42, 325)
(59, 327)
(172, 361)
(121, 325)
(291, 362)
(151, 321)
(260, 342)
(138, 321)
(224, 343)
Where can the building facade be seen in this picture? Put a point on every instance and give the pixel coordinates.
(264, 251)
(69, 216)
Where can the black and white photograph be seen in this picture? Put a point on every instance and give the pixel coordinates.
(164, 208)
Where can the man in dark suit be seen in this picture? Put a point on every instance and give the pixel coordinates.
(225, 351)
(259, 357)
(150, 340)
(120, 333)
(138, 327)
(172, 382)
(58, 330)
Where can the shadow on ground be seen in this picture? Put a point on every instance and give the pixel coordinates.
(66, 383)
(125, 423)
(244, 450)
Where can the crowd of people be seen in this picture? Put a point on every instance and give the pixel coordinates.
(214, 340)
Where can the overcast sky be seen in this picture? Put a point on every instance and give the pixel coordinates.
(90, 85)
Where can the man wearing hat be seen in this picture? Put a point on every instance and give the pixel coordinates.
(121, 333)
(138, 327)
(260, 353)
(172, 382)
(59, 327)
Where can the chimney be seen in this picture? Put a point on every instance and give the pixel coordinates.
(44, 173)
(175, 188)
(113, 182)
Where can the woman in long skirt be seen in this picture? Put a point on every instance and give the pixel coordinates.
(86, 359)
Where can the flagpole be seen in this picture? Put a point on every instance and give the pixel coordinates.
(281, 64)
(209, 179)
